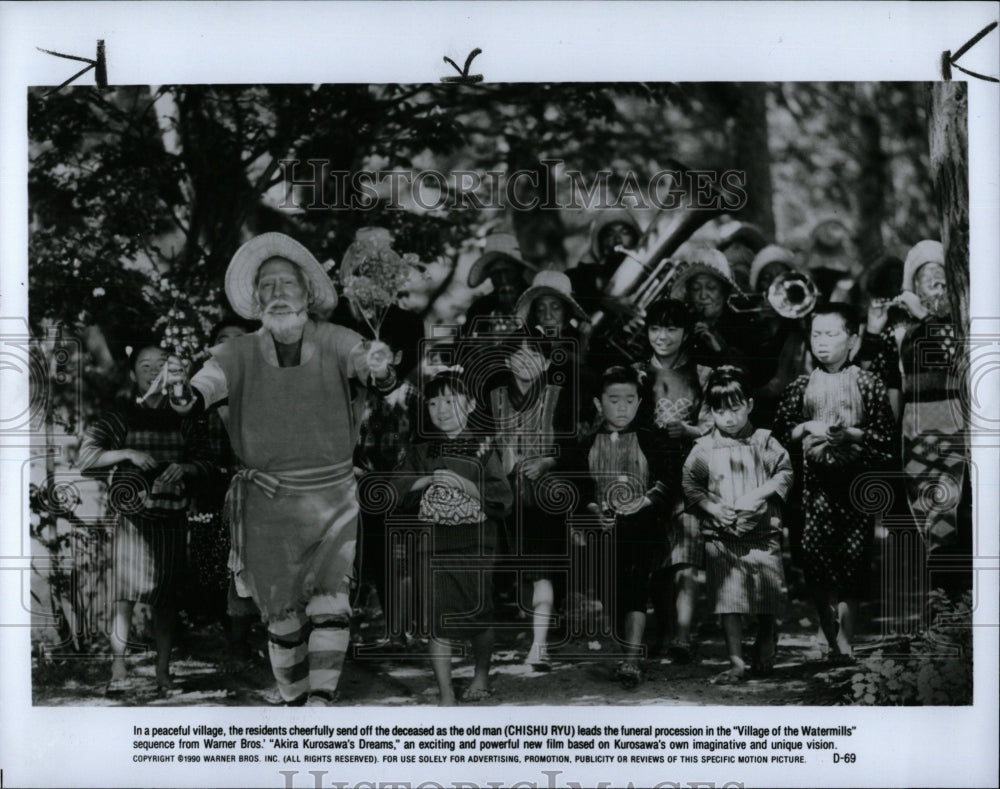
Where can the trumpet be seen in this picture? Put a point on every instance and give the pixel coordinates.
(791, 295)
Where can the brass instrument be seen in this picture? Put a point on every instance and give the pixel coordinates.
(791, 295)
(642, 278)
(885, 303)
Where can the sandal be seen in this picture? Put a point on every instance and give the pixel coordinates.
(840, 659)
(119, 686)
(322, 698)
(727, 677)
(473, 695)
(629, 674)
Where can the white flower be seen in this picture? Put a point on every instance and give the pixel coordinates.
(98, 292)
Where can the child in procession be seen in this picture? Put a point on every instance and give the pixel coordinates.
(736, 479)
(456, 483)
(842, 417)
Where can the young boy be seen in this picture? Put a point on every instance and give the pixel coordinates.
(153, 451)
(627, 468)
(842, 417)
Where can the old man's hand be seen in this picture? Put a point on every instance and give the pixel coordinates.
(379, 358)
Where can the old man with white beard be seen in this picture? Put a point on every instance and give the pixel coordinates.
(295, 390)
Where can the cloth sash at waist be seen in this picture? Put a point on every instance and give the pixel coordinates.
(302, 481)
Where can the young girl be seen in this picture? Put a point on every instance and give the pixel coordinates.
(842, 417)
(737, 478)
(533, 418)
(153, 452)
(456, 483)
(673, 400)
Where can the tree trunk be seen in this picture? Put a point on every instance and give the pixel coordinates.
(949, 153)
(873, 181)
(751, 154)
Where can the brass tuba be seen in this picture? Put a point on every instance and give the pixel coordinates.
(619, 332)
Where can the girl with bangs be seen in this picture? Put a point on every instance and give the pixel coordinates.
(455, 482)
(735, 481)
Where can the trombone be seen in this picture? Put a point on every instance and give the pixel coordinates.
(791, 295)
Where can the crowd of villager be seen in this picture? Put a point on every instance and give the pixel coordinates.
(726, 414)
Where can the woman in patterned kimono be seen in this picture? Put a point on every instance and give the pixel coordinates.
(152, 451)
(841, 416)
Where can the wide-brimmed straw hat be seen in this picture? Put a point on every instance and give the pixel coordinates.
(701, 261)
(926, 251)
(744, 233)
(772, 253)
(831, 246)
(501, 247)
(611, 217)
(254, 253)
(549, 283)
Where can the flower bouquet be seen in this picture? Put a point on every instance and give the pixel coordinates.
(372, 275)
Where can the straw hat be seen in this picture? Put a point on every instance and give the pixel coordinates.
(254, 253)
(772, 253)
(500, 247)
(622, 217)
(745, 233)
(831, 246)
(549, 283)
(926, 251)
(702, 261)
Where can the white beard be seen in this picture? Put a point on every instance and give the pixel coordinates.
(285, 327)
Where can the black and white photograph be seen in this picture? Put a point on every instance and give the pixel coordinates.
(641, 397)
(641, 431)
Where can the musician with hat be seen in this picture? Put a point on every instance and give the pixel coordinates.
(720, 336)
(782, 354)
(295, 389)
(610, 233)
(934, 448)
(502, 265)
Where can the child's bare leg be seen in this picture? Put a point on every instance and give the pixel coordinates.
(441, 665)
(764, 645)
(827, 619)
(542, 599)
(846, 615)
(482, 651)
(732, 625)
(163, 635)
(119, 637)
(684, 586)
(635, 628)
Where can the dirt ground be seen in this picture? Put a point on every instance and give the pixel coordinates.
(582, 672)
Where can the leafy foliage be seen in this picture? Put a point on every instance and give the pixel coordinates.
(938, 669)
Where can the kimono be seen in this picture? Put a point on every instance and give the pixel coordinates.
(463, 529)
(743, 562)
(839, 529)
(616, 470)
(151, 516)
